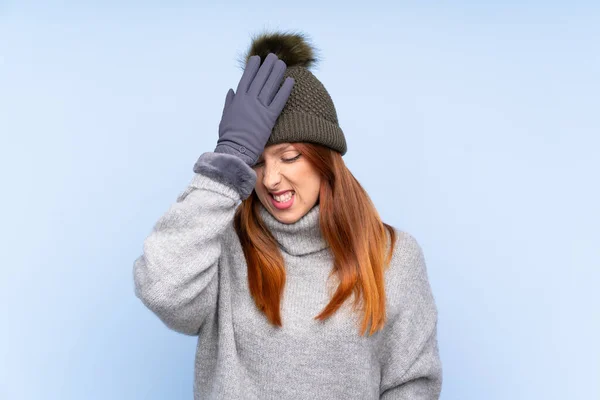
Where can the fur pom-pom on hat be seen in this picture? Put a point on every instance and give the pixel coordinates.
(294, 49)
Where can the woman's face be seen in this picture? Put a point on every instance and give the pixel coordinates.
(281, 168)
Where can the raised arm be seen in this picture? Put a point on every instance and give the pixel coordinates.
(177, 274)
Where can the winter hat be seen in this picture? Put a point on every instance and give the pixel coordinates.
(309, 114)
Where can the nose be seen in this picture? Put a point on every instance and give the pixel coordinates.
(271, 177)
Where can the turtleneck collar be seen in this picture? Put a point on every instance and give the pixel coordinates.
(299, 238)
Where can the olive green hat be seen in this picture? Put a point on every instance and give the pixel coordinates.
(309, 114)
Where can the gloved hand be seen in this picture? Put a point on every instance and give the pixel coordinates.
(250, 114)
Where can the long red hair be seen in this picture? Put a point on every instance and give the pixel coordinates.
(350, 225)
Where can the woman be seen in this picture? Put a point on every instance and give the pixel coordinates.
(300, 291)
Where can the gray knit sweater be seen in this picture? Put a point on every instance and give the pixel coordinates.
(193, 276)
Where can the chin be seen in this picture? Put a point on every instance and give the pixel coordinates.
(289, 216)
(288, 219)
(286, 216)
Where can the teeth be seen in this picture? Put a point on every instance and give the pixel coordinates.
(283, 198)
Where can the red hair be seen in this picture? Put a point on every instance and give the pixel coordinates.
(350, 225)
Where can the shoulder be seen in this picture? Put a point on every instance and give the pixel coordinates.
(408, 256)
(407, 281)
(407, 245)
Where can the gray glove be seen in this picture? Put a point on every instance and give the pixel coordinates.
(250, 114)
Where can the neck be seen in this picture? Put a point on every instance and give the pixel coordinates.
(299, 238)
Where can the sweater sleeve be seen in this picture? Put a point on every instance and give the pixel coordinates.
(410, 363)
(177, 275)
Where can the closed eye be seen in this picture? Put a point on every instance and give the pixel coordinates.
(290, 160)
(286, 160)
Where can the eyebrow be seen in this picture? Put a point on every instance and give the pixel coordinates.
(282, 149)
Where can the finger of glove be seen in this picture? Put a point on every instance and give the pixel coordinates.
(249, 74)
(282, 96)
(269, 91)
(262, 75)
(228, 100)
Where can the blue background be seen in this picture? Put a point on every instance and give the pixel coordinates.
(474, 126)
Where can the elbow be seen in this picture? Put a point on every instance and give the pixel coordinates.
(174, 315)
(165, 302)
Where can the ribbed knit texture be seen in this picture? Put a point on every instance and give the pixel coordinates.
(193, 276)
(302, 237)
(309, 114)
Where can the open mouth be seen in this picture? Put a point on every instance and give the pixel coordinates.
(284, 198)
(284, 201)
